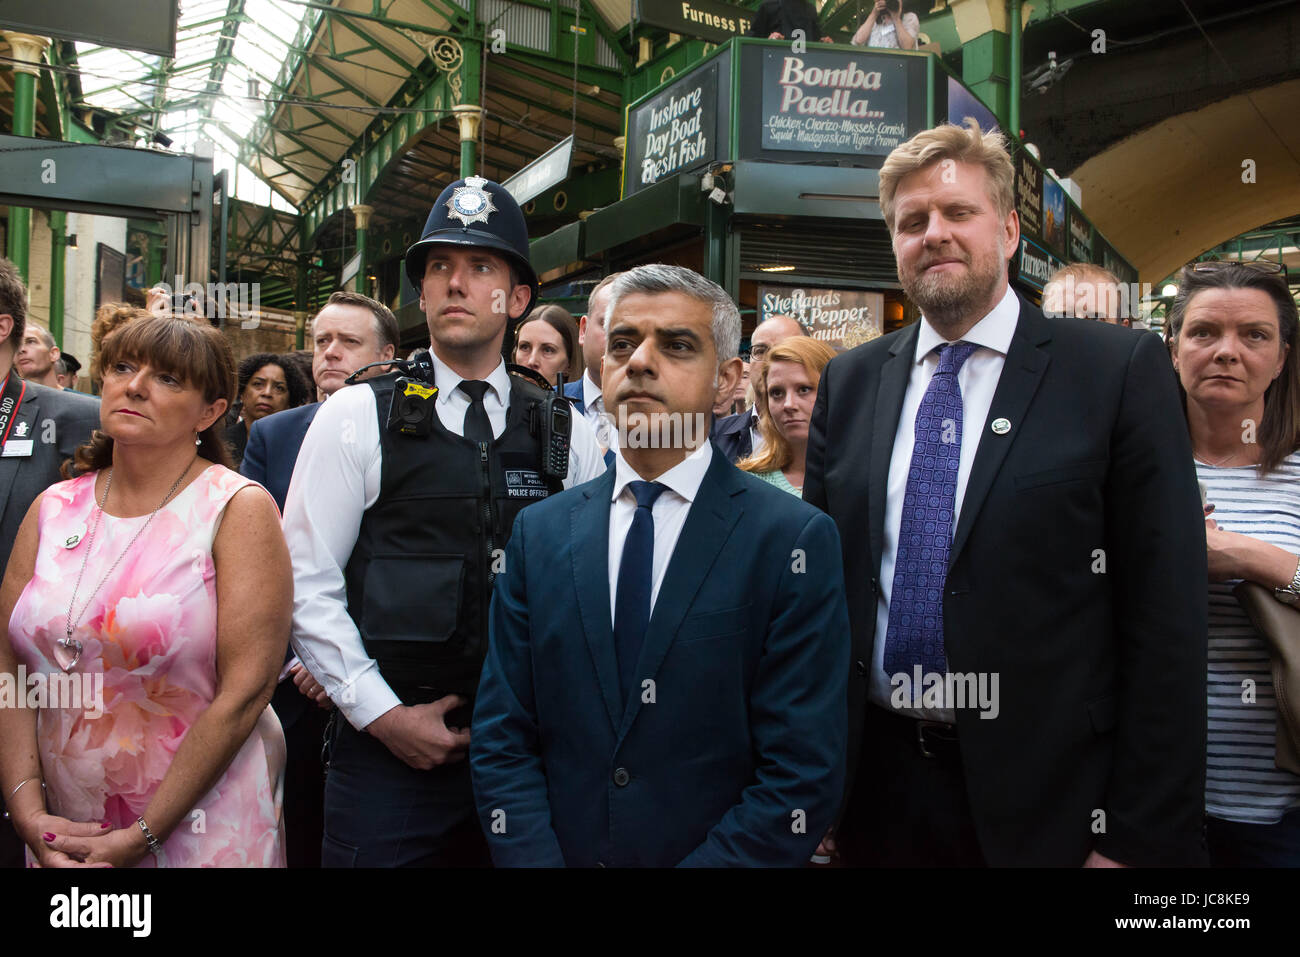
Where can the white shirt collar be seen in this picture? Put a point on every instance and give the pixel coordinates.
(590, 391)
(447, 381)
(994, 331)
(684, 478)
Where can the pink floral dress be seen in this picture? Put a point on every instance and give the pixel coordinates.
(151, 633)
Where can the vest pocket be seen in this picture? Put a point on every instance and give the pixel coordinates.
(413, 597)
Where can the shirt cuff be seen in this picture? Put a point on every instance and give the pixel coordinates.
(366, 698)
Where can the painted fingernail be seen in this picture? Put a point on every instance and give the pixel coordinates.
(105, 826)
(47, 836)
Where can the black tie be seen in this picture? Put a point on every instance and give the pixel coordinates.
(478, 427)
(635, 583)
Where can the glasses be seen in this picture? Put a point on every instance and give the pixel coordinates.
(1265, 266)
(757, 352)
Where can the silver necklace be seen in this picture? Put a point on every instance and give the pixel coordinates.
(67, 646)
(1219, 464)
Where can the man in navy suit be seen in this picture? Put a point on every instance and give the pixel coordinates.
(351, 331)
(737, 435)
(665, 681)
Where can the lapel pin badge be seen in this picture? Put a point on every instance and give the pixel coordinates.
(20, 430)
(75, 538)
(1001, 426)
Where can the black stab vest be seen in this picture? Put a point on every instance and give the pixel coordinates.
(420, 576)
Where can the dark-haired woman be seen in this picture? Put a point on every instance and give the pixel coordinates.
(268, 383)
(547, 342)
(150, 582)
(1233, 340)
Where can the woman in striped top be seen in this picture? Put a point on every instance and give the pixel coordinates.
(1232, 337)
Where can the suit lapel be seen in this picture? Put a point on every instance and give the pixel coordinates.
(589, 543)
(889, 406)
(28, 413)
(1021, 374)
(709, 524)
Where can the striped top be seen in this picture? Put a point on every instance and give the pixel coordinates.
(1242, 783)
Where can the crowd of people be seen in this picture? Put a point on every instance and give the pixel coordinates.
(966, 595)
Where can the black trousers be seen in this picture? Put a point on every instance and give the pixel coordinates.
(381, 812)
(906, 809)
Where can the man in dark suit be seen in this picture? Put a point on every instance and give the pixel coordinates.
(350, 331)
(664, 681)
(40, 428)
(737, 435)
(1021, 523)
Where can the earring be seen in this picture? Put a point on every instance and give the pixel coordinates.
(197, 440)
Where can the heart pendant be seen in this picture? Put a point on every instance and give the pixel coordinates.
(67, 652)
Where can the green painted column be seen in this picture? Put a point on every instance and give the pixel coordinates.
(300, 301)
(468, 116)
(985, 68)
(58, 262)
(1014, 69)
(362, 212)
(985, 30)
(27, 51)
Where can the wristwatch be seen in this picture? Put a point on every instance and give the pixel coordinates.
(1290, 595)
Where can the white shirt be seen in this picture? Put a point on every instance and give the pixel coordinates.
(593, 400)
(755, 436)
(335, 480)
(669, 513)
(978, 380)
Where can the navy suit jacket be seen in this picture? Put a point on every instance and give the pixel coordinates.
(272, 449)
(731, 434)
(573, 390)
(731, 749)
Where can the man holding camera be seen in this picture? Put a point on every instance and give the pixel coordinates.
(415, 480)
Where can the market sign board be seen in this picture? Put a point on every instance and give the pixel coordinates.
(549, 169)
(830, 102)
(708, 19)
(1036, 264)
(674, 131)
(1029, 194)
(1080, 237)
(841, 318)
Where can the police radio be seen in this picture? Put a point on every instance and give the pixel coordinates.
(556, 427)
(551, 420)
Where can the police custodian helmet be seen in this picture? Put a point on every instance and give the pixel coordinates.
(476, 212)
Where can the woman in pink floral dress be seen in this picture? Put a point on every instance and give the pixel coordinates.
(159, 579)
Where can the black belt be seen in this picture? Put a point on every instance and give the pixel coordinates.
(932, 739)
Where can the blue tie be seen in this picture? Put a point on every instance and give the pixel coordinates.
(915, 631)
(635, 580)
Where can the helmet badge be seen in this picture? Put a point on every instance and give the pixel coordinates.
(471, 203)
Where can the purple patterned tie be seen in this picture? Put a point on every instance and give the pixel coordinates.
(915, 632)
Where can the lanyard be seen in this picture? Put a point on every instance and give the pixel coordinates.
(10, 401)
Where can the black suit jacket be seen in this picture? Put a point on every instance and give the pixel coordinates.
(1102, 673)
(55, 423)
(731, 434)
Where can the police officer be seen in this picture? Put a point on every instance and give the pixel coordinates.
(397, 517)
